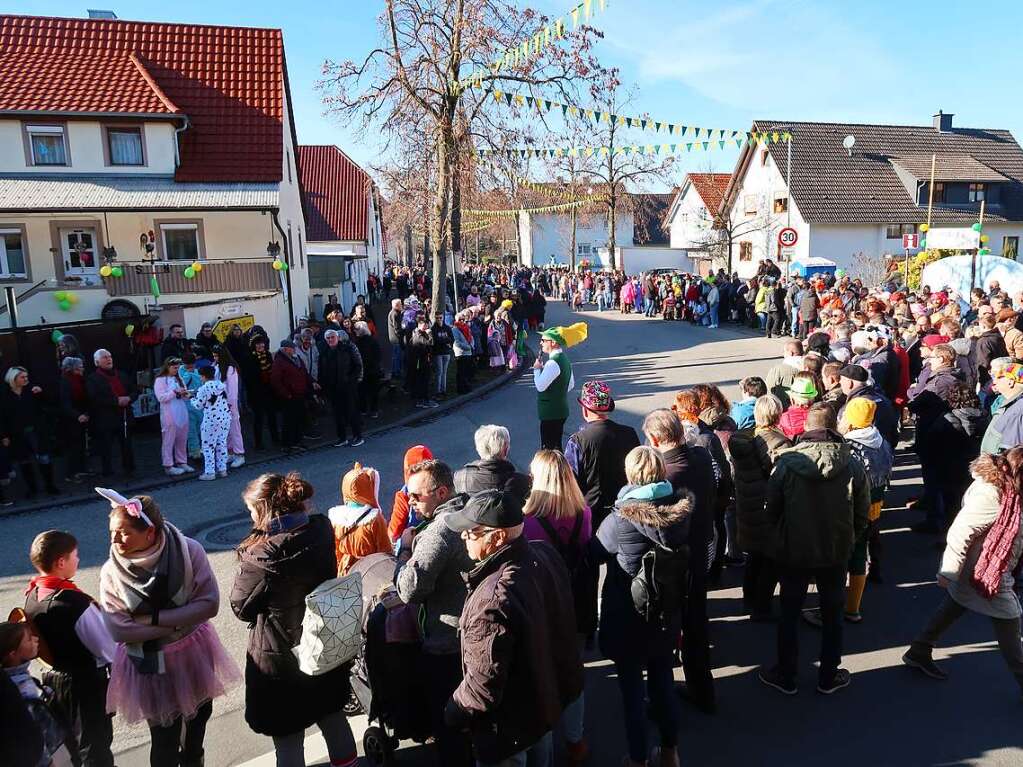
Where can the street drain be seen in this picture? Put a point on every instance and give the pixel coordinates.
(224, 536)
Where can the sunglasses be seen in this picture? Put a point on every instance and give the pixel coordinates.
(422, 495)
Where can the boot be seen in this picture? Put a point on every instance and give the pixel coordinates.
(46, 469)
(28, 473)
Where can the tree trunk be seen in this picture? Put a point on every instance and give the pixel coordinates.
(408, 259)
(445, 153)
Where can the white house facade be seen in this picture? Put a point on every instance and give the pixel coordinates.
(137, 151)
(690, 219)
(851, 201)
(547, 237)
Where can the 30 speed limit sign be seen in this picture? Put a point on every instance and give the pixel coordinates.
(788, 237)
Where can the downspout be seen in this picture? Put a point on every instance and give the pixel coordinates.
(287, 272)
(186, 124)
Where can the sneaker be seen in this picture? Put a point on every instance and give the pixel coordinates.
(422, 405)
(358, 441)
(841, 679)
(375, 414)
(174, 471)
(923, 663)
(772, 677)
(236, 462)
(856, 617)
(207, 477)
(431, 404)
(222, 474)
(186, 468)
(342, 443)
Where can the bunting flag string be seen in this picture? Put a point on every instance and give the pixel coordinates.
(641, 123)
(543, 209)
(758, 137)
(554, 194)
(532, 46)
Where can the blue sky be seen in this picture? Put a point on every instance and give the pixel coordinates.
(711, 64)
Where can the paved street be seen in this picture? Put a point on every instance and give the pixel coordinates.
(887, 717)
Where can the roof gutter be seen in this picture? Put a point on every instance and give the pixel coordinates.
(185, 125)
(287, 272)
(29, 113)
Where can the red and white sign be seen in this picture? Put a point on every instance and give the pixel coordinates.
(910, 241)
(788, 237)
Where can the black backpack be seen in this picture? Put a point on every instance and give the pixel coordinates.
(659, 588)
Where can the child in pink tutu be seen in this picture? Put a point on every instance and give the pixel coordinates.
(159, 593)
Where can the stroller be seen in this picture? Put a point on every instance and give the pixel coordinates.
(386, 676)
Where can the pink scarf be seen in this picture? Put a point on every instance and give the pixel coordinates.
(998, 543)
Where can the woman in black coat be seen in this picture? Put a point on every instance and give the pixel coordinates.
(288, 554)
(27, 430)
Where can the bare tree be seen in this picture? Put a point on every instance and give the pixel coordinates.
(872, 270)
(411, 88)
(731, 224)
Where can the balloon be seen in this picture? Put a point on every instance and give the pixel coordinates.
(129, 329)
(284, 266)
(278, 264)
(977, 227)
(117, 271)
(984, 238)
(189, 272)
(984, 252)
(924, 227)
(59, 296)
(105, 271)
(56, 335)
(64, 305)
(72, 298)
(197, 267)
(840, 273)
(923, 243)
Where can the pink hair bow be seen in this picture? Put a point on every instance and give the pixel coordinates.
(132, 505)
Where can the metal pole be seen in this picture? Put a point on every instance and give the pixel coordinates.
(788, 183)
(976, 251)
(12, 305)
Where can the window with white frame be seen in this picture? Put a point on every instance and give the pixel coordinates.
(47, 144)
(180, 242)
(12, 253)
(584, 249)
(750, 204)
(978, 192)
(124, 146)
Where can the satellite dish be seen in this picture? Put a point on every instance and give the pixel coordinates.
(849, 142)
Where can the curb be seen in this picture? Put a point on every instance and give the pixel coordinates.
(155, 483)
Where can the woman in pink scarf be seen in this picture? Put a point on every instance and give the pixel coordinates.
(982, 556)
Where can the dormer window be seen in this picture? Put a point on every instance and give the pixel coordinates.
(978, 192)
(124, 146)
(47, 145)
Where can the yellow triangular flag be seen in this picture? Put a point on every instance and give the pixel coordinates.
(575, 17)
(587, 8)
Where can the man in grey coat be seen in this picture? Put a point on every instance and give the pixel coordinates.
(432, 562)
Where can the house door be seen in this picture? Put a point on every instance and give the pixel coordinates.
(78, 248)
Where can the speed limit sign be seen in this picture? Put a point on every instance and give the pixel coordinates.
(788, 237)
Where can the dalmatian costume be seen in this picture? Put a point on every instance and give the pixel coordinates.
(211, 399)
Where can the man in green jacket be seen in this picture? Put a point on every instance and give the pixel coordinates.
(554, 380)
(818, 499)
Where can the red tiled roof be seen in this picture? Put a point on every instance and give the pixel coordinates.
(711, 188)
(228, 81)
(334, 189)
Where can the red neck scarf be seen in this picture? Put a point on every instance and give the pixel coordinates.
(114, 381)
(998, 543)
(51, 583)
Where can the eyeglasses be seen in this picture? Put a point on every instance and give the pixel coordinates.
(422, 495)
(476, 533)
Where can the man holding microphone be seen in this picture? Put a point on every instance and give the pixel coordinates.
(553, 380)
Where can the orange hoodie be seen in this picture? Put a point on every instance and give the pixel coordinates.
(399, 511)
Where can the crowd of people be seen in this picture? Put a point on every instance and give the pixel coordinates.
(501, 566)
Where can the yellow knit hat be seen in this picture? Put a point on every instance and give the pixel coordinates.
(859, 412)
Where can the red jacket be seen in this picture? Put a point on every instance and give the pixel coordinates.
(793, 421)
(288, 378)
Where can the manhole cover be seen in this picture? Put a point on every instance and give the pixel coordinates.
(226, 535)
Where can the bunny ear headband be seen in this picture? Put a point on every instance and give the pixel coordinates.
(132, 505)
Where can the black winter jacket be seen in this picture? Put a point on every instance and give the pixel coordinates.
(753, 455)
(340, 369)
(493, 474)
(520, 657)
(274, 576)
(597, 455)
(690, 468)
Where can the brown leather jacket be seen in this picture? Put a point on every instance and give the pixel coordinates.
(520, 657)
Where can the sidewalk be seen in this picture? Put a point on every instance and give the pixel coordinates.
(396, 410)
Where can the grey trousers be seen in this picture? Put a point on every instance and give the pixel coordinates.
(1007, 632)
(335, 730)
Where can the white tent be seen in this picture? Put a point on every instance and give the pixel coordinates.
(954, 272)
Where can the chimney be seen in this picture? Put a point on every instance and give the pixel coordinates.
(943, 122)
(96, 14)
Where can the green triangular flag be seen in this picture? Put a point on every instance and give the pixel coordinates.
(673, 147)
(508, 98)
(564, 110)
(547, 104)
(721, 144)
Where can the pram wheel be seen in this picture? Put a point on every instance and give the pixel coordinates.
(352, 707)
(377, 746)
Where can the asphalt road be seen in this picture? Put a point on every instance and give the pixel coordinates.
(888, 716)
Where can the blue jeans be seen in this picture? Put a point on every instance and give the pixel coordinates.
(601, 303)
(572, 719)
(714, 308)
(395, 362)
(761, 320)
(441, 362)
(540, 754)
(659, 686)
(795, 321)
(650, 308)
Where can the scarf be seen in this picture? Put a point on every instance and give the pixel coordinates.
(77, 384)
(998, 544)
(157, 579)
(114, 381)
(51, 583)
